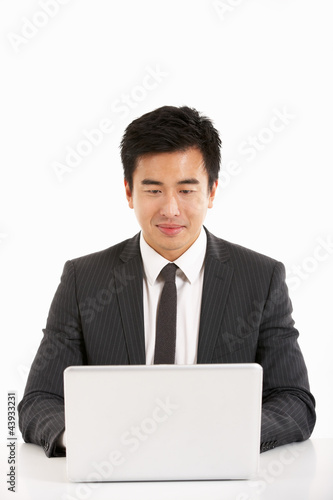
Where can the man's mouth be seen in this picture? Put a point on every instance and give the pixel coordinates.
(170, 229)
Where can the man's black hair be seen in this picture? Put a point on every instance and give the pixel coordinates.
(170, 129)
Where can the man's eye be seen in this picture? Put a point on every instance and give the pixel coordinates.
(153, 191)
(187, 191)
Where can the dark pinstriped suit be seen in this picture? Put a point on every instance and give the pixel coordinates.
(96, 317)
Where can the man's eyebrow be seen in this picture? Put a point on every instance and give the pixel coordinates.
(189, 181)
(146, 182)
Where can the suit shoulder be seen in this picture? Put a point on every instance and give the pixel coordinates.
(248, 253)
(238, 254)
(109, 256)
(253, 265)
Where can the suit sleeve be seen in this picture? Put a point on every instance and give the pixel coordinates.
(41, 411)
(288, 410)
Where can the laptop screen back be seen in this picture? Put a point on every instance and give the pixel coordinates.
(163, 422)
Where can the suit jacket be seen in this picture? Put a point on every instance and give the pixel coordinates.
(96, 318)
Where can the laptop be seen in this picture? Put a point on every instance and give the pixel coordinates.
(163, 422)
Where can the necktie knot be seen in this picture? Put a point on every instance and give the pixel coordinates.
(168, 272)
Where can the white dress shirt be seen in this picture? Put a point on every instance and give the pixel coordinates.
(189, 281)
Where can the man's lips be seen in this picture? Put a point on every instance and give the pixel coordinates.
(170, 229)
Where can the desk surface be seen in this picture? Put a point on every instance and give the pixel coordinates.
(300, 471)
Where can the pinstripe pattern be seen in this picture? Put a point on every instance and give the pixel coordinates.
(96, 317)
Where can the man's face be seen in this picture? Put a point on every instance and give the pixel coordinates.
(170, 198)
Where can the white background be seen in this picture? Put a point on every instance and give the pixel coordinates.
(240, 64)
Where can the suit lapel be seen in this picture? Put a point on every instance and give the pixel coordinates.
(129, 289)
(217, 281)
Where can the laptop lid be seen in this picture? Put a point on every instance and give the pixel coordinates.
(163, 422)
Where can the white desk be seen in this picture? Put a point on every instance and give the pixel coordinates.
(300, 471)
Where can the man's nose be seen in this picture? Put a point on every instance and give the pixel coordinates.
(170, 207)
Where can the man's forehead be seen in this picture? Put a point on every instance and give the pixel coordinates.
(181, 165)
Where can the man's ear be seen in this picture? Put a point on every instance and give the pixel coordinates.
(212, 194)
(128, 192)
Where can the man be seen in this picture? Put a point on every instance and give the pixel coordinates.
(232, 303)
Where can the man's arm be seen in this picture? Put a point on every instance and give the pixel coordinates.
(288, 411)
(41, 411)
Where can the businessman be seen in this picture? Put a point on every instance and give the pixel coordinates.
(174, 293)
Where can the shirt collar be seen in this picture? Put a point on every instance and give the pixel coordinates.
(190, 262)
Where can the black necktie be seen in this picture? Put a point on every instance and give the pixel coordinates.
(165, 344)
